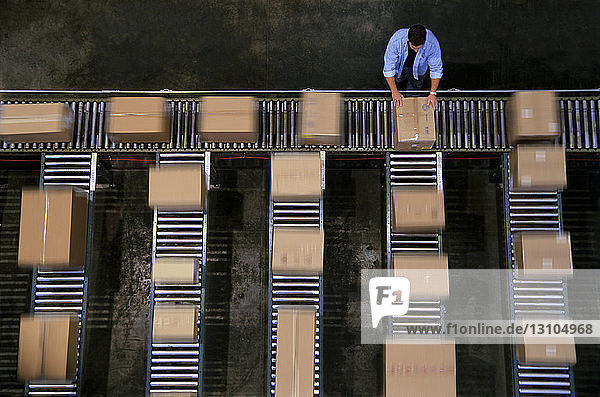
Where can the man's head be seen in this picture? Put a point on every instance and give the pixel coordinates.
(416, 37)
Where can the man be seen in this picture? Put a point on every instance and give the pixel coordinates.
(408, 54)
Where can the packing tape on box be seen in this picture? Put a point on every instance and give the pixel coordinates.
(136, 114)
(25, 119)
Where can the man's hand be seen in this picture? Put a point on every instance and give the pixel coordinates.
(397, 97)
(432, 100)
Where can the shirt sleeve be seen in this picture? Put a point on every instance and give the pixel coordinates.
(390, 58)
(436, 67)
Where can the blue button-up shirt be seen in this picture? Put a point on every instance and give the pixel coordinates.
(430, 55)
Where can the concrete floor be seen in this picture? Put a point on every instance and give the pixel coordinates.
(153, 44)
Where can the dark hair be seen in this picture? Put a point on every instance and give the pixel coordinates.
(417, 34)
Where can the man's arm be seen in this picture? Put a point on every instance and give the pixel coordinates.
(432, 98)
(436, 70)
(390, 67)
(396, 95)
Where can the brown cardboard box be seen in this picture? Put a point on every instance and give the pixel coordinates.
(53, 228)
(139, 120)
(427, 370)
(175, 323)
(428, 274)
(31, 344)
(36, 122)
(415, 125)
(558, 350)
(60, 346)
(177, 187)
(296, 176)
(48, 346)
(174, 270)
(297, 250)
(544, 253)
(538, 167)
(418, 210)
(532, 116)
(321, 118)
(295, 360)
(228, 119)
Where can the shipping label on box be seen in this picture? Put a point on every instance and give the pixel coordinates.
(415, 125)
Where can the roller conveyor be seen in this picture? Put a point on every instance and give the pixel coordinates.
(465, 122)
(177, 367)
(290, 289)
(56, 291)
(413, 170)
(536, 211)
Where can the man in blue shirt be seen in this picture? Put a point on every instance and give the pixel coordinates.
(408, 55)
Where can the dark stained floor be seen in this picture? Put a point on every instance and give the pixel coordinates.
(154, 44)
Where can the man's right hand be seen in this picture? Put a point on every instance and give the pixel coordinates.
(397, 97)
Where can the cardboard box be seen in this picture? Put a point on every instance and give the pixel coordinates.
(296, 177)
(228, 119)
(415, 125)
(538, 167)
(532, 116)
(177, 187)
(543, 253)
(427, 370)
(174, 270)
(60, 346)
(175, 323)
(139, 120)
(321, 118)
(298, 250)
(428, 274)
(53, 228)
(417, 210)
(295, 360)
(48, 347)
(36, 122)
(31, 344)
(558, 350)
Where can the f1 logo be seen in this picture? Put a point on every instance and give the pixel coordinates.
(389, 296)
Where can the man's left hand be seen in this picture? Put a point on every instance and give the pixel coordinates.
(432, 100)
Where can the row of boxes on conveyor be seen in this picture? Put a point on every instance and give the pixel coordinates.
(146, 120)
(412, 368)
(52, 235)
(296, 178)
(537, 165)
